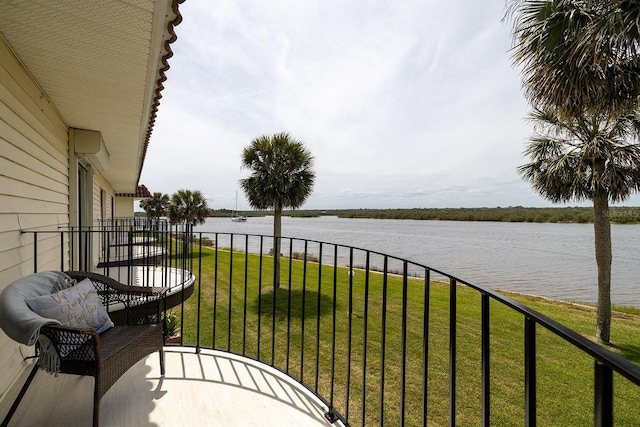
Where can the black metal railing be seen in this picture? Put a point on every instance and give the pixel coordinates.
(131, 250)
(385, 341)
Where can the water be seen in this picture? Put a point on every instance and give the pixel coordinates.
(552, 260)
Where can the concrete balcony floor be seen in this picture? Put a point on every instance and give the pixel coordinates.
(175, 279)
(121, 255)
(207, 389)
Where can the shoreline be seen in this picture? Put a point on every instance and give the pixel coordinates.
(563, 215)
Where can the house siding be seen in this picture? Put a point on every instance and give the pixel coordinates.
(102, 208)
(34, 187)
(35, 165)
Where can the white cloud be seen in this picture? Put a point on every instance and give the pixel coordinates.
(405, 104)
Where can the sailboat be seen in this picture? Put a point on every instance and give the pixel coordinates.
(234, 215)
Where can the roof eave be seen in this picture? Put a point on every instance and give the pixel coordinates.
(166, 17)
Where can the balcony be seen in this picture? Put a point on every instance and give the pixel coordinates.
(199, 389)
(351, 337)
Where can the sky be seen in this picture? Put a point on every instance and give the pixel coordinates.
(410, 104)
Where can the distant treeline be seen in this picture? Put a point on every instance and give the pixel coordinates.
(618, 215)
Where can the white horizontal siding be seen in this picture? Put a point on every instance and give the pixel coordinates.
(34, 188)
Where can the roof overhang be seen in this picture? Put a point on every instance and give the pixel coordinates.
(142, 192)
(101, 64)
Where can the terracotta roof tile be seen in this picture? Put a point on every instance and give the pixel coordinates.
(142, 192)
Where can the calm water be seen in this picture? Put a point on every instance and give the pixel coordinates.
(553, 260)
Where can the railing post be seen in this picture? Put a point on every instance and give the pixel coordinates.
(530, 372)
(260, 297)
(603, 395)
(383, 338)
(273, 315)
(452, 351)
(35, 252)
(425, 345)
(246, 287)
(229, 311)
(486, 363)
(72, 253)
(130, 270)
(62, 267)
(304, 299)
(364, 339)
(331, 415)
(318, 307)
(349, 336)
(199, 294)
(215, 289)
(289, 310)
(403, 343)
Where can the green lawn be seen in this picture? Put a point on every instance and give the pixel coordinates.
(565, 375)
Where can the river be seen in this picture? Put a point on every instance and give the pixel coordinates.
(552, 260)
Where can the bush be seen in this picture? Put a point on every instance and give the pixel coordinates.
(300, 255)
(170, 324)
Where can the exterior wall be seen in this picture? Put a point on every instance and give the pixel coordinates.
(38, 190)
(34, 187)
(103, 195)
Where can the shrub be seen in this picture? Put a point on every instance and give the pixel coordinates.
(170, 324)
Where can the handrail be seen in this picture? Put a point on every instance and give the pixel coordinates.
(609, 358)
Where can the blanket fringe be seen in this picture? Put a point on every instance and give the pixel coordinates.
(48, 359)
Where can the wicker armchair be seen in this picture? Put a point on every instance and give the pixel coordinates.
(137, 333)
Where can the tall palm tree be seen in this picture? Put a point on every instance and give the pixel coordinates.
(156, 206)
(581, 73)
(587, 158)
(281, 176)
(189, 207)
(578, 54)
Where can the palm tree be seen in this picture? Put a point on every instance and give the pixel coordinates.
(189, 207)
(581, 73)
(587, 158)
(156, 206)
(281, 176)
(578, 54)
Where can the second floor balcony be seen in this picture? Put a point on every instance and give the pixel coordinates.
(355, 337)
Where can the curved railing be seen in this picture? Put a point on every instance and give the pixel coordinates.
(379, 339)
(130, 250)
(385, 341)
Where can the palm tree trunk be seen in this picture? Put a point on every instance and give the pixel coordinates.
(602, 234)
(277, 233)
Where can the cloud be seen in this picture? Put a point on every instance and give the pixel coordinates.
(405, 104)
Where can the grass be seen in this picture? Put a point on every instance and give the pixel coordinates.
(303, 309)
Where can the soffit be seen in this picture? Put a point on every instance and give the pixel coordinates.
(101, 63)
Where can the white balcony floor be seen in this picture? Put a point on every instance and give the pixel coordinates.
(120, 253)
(175, 279)
(207, 389)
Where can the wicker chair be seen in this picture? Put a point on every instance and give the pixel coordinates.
(107, 356)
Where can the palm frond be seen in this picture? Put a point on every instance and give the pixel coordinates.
(577, 55)
(579, 156)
